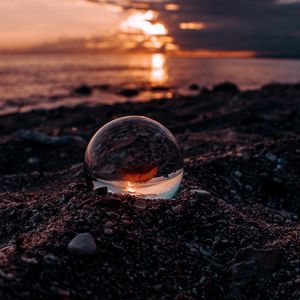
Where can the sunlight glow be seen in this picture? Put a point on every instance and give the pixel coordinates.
(172, 6)
(192, 26)
(159, 74)
(143, 22)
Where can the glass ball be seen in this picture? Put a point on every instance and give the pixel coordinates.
(135, 155)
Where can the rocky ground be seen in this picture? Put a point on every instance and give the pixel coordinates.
(237, 240)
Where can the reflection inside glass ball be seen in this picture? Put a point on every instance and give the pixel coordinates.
(135, 155)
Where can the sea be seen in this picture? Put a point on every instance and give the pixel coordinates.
(46, 81)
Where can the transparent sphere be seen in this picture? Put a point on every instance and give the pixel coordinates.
(135, 155)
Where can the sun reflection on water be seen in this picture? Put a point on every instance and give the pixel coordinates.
(159, 72)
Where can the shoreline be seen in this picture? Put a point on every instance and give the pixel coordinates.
(241, 147)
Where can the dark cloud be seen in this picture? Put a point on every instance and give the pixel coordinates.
(269, 27)
(262, 26)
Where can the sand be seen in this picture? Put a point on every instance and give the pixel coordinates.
(231, 233)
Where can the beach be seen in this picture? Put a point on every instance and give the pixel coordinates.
(231, 232)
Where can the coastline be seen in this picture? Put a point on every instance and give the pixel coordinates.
(242, 147)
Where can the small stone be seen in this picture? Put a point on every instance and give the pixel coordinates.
(29, 260)
(101, 191)
(33, 160)
(62, 199)
(83, 90)
(109, 224)
(237, 173)
(82, 245)
(109, 201)
(177, 209)
(200, 193)
(157, 287)
(140, 204)
(108, 231)
(194, 87)
(270, 156)
(51, 259)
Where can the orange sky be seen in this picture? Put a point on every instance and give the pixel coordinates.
(27, 22)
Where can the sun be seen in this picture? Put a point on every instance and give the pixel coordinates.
(144, 22)
(144, 31)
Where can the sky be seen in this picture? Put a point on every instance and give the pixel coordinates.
(260, 27)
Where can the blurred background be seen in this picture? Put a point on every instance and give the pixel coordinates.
(65, 52)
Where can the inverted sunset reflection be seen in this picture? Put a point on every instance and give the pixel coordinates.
(159, 72)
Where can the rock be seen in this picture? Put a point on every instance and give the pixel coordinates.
(194, 87)
(109, 201)
(140, 204)
(226, 87)
(29, 260)
(35, 219)
(51, 259)
(270, 156)
(62, 199)
(128, 92)
(33, 160)
(177, 209)
(108, 231)
(84, 90)
(82, 245)
(109, 224)
(200, 193)
(238, 174)
(160, 88)
(101, 191)
(252, 264)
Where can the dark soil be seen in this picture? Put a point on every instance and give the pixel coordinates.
(240, 242)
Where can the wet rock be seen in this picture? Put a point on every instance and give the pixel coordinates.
(226, 87)
(194, 87)
(84, 90)
(101, 191)
(82, 245)
(129, 92)
(160, 88)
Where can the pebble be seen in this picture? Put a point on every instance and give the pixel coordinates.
(140, 204)
(29, 260)
(101, 191)
(62, 199)
(237, 173)
(33, 160)
(177, 209)
(82, 245)
(108, 231)
(270, 156)
(109, 224)
(200, 193)
(51, 259)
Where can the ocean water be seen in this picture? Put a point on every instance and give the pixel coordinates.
(46, 81)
